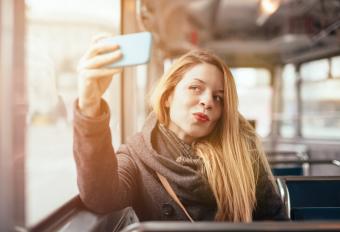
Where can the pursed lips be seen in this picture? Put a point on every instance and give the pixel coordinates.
(201, 117)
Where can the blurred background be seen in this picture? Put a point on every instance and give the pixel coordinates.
(284, 55)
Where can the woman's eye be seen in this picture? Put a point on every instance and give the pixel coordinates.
(195, 89)
(218, 98)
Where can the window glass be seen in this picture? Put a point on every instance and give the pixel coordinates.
(315, 70)
(321, 101)
(321, 109)
(254, 92)
(58, 33)
(288, 117)
(335, 62)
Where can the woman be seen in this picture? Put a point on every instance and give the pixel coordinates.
(195, 139)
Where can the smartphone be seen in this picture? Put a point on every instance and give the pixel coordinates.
(136, 48)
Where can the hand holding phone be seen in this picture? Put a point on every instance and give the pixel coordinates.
(102, 60)
(136, 48)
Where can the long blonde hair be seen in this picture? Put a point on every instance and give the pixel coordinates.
(231, 153)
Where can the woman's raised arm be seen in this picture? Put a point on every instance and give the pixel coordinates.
(93, 75)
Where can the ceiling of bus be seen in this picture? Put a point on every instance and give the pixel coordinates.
(240, 31)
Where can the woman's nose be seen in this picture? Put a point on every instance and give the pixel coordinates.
(206, 101)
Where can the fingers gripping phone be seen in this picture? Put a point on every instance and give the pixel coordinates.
(136, 48)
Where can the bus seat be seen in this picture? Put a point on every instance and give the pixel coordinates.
(313, 192)
(315, 213)
(287, 171)
(310, 197)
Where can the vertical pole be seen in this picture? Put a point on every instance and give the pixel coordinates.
(19, 110)
(299, 102)
(115, 99)
(12, 114)
(6, 165)
(129, 109)
(277, 101)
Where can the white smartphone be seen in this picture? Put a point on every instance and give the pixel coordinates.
(136, 48)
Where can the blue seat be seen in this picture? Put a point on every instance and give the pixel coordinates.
(315, 213)
(287, 171)
(309, 192)
(310, 197)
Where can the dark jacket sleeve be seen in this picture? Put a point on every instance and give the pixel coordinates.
(106, 181)
(269, 205)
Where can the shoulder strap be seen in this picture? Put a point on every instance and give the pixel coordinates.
(172, 193)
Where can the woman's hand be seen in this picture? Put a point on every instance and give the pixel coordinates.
(93, 77)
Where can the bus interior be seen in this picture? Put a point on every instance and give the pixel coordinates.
(285, 59)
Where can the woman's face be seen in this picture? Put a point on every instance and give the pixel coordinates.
(196, 103)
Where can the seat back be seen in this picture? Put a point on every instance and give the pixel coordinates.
(288, 171)
(310, 197)
(311, 192)
(315, 213)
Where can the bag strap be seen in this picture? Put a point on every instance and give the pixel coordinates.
(172, 193)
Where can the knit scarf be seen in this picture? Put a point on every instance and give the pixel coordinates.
(179, 150)
(162, 151)
(174, 148)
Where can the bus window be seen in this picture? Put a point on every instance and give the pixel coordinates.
(315, 70)
(58, 33)
(253, 86)
(289, 116)
(335, 67)
(320, 99)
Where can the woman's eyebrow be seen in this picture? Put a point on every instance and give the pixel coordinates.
(196, 79)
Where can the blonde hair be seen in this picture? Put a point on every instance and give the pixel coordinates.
(231, 153)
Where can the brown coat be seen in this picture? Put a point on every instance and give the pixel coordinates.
(109, 180)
